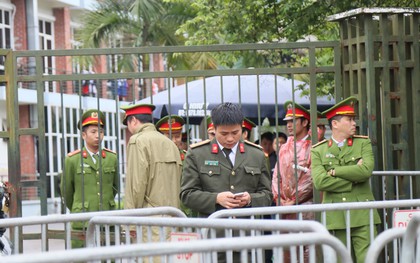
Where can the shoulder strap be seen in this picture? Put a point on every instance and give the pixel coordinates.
(192, 146)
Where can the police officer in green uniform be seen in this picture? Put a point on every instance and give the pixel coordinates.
(341, 169)
(247, 126)
(90, 180)
(215, 170)
(225, 172)
(171, 127)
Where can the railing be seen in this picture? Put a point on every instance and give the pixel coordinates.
(323, 209)
(168, 249)
(15, 224)
(249, 244)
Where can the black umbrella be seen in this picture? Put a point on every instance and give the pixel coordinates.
(252, 92)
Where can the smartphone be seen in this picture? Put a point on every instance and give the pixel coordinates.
(239, 194)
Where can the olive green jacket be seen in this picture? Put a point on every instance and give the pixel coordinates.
(351, 181)
(207, 172)
(89, 187)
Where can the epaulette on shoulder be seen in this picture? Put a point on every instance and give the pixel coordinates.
(108, 150)
(73, 152)
(361, 136)
(253, 144)
(195, 145)
(319, 143)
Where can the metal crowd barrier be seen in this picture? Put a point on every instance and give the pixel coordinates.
(170, 250)
(410, 245)
(204, 228)
(397, 183)
(322, 208)
(406, 239)
(15, 224)
(377, 246)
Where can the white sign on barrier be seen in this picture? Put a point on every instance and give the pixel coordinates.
(402, 217)
(187, 257)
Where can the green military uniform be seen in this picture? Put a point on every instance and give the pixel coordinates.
(173, 124)
(207, 172)
(93, 176)
(87, 186)
(350, 183)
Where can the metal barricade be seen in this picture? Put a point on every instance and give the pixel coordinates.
(405, 239)
(376, 247)
(208, 229)
(400, 184)
(323, 209)
(410, 246)
(170, 250)
(15, 224)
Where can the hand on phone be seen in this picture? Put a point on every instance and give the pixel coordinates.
(239, 194)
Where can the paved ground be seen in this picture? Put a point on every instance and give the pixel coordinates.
(34, 246)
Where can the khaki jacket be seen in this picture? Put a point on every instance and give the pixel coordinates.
(153, 170)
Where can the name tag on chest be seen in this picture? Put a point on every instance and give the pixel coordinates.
(211, 163)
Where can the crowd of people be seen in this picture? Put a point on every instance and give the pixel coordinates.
(227, 170)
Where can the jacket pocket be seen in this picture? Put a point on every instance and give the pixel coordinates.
(352, 159)
(210, 170)
(330, 163)
(85, 171)
(78, 208)
(252, 170)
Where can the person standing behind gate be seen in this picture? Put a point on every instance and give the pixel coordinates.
(247, 126)
(91, 187)
(153, 163)
(215, 170)
(341, 168)
(286, 180)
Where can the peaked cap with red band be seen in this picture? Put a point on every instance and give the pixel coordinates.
(137, 109)
(209, 123)
(300, 111)
(248, 124)
(172, 122)
(344, 107)
(92, 117)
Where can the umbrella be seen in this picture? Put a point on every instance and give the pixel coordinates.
(255, 93)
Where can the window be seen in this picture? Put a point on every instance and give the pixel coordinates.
(46, 42)
(5, 31)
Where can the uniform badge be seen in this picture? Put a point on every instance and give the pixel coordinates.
(330, 143)
(241, 148)
(182, 157)
(350, 141)
(84, 154)
(329, 155)
(214, 148)
(211, 163)
(94, 115)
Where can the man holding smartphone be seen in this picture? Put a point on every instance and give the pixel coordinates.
(226, 172)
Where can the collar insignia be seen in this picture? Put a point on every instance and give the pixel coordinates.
(214, 148)
(241, 147)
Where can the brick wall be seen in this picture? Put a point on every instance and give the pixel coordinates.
(27, 155)
(20, 41)
(62, 39)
